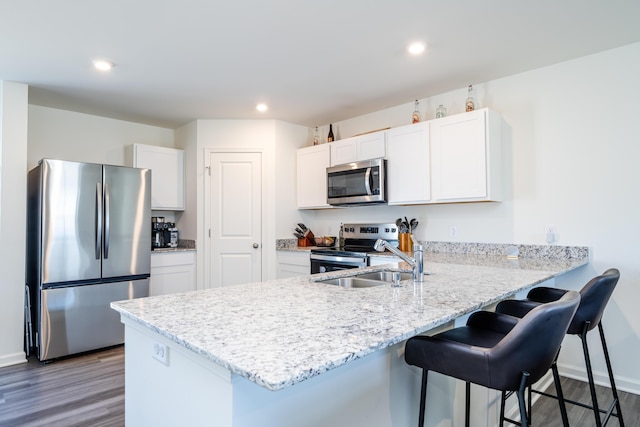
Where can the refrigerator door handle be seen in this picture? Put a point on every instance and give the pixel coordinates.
(106, 221)
(98, 225)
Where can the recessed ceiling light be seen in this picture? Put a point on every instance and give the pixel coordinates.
(262, 107)
(102, 65)
(416, 48)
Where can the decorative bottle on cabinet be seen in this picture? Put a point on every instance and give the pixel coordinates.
(316, 137)
(441, 111)
(330, 136)
(415, 116)
(470, 103)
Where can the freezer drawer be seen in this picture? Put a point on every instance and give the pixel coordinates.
(79, 318)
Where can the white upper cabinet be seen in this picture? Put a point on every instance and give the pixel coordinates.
(466, 157)
(364, 147)
(408, 165)
(312, 163)
(167, 175)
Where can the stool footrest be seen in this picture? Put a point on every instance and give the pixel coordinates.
(608, 413)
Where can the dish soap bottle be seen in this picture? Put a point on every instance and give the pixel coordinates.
(470, 103)
(341, 236)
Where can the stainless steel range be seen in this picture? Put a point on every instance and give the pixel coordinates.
(359, 241)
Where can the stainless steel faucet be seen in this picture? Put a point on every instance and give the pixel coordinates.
(416, 262)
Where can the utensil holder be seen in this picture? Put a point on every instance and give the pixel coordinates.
(405, 242)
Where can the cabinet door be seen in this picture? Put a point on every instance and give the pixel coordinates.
(364, 147)
(460, 153)
(293, 264)
(371, 146)
(343, 151)
(172, 272)
(382, 260)
(167, 175)
(312, 163)
(408, 167)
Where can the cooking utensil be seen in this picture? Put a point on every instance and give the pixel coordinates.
(413, 224)
(299, 231)
(302, 226)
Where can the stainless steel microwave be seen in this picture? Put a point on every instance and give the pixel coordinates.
(357, 183)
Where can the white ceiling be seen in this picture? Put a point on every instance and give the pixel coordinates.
(313, 62)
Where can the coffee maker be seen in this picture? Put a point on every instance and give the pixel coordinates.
(163, 234)
(157, 232)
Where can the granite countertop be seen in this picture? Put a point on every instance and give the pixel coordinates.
(278, 333)
(165, 250)
(184, 245)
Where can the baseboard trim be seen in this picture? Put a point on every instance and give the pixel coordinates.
(13, 359)
(629, 385)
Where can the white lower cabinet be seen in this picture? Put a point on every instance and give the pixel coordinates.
(172, 272)
(384, 259)
(293, 263)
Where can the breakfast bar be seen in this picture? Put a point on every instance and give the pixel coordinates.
(300, 352)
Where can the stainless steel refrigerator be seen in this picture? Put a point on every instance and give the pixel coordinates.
(88, 244)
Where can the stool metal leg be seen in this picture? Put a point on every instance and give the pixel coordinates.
(559, 394)
(610, 371)
(467, 403)
(524, 422)
(502, 403)
(592, 387)
(423, 397)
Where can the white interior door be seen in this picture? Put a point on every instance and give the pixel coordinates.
(235, 195)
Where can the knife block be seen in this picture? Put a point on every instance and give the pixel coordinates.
(305, 241)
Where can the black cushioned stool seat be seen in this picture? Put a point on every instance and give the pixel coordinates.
(594, 298)
(495, 350)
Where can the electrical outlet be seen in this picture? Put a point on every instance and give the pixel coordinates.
(453, 231)
(551, 234)
(160, 352)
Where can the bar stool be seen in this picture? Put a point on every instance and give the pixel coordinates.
(495, 351)
(594, 297)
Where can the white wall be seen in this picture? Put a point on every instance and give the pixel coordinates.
(67, 135)
(13, 197)
(277, 142)
(572, 162)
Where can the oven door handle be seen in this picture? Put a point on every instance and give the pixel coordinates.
(337, 259)
(367, 181)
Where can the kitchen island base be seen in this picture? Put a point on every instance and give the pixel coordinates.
(378, 390)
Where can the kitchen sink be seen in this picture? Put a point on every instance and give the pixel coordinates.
(366, 280)
(353, 282)
(385, 276)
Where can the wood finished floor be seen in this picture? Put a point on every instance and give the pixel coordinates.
(83, 391)
(88, 390)
(546, 411)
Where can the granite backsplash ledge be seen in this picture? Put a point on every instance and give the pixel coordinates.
(550, 252)
(501, 249)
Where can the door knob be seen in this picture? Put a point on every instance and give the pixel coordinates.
(256, 246)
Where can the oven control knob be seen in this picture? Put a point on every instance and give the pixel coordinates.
(323, 269)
